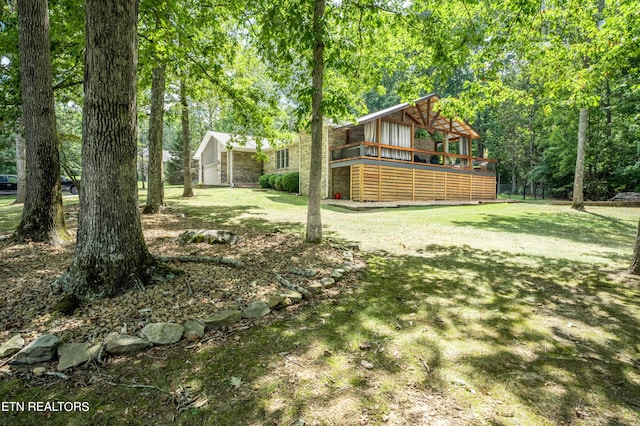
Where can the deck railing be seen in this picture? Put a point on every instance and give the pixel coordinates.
(372, 150)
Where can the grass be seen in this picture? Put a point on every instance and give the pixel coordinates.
(508, 314)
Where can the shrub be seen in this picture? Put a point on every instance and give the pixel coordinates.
(291, 182)
(272, 180)
(264, 181)
(278, 183)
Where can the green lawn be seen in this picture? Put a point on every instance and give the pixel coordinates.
(505, 314)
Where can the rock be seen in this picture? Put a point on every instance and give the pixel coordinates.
(274, 301)
(211, 236)
(366, 364)
(11, 346)
(293, 295)
(315, 287)
(118, 344)
(39, 371)
(337, 273)
(627, 196)
(222, 319)
(163, 333)
(193, 330)
(73, 354)
(328, 282)
(256, 309)
(348, 255)
(40, 350)
(346, 267)
(304, 272)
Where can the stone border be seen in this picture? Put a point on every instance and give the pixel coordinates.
(48, 347)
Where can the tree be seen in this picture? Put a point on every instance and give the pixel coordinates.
(155, 194)
(314, 219)
(42, 216)
(186, 140)
(111, 255)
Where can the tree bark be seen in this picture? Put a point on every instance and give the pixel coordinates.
(578, 191)
(635, 260)
(186, 141)
(155, 195)
(111, 255)
(314, 219)
(21, 169)
(42, 214)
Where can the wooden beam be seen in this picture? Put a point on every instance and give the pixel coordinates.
(424, 119)
(435, 117)
(428, 110)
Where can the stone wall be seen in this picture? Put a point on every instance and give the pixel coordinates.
(223, 168)
(340, 182)
(271, 166)
(246, 169)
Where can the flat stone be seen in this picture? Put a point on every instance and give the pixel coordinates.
(256, 309)
(293, 295)
(274, 301)
(337, 273)
(193, 330)
(74, 354)
(11, 346)
(210, 236)
(40, 350)
(315, 287)
(328, 282)
(222, 319)
(163, 333)
(304, 272)
(119, 344)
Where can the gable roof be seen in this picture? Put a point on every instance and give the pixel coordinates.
(425, 112)
(249, 143)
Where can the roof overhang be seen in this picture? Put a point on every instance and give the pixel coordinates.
(424, 112)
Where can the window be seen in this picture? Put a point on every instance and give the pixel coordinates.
(282, 158)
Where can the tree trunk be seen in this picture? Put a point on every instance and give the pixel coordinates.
(186, 141)
(155, 195)
(21, 169)
(314, 219)
(635, 261)
(578, 192)
(111, 255)
(42, 214)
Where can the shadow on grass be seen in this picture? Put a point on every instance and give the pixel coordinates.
(564, 226)
(451, 332)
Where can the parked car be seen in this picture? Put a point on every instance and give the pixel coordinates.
(8, 183)
(68, 185)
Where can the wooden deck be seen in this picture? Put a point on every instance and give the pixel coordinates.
(378, 182)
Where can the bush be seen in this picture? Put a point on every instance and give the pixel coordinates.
(278, 183)
(272, 180)
(264, 181)
(291, 182)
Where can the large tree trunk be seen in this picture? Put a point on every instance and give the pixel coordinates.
(111, 255)
(155, 195)
(635, 261)
(314, 219)
(42, 214)
(21, 166)
(186, 141)
(578, 192)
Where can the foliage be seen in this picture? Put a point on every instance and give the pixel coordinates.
(291, 182)
(272, 180)
(264, 181)
(278, 183)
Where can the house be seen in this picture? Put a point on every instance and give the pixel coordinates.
(410, 151)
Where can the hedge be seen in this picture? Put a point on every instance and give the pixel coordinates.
(291, 182)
